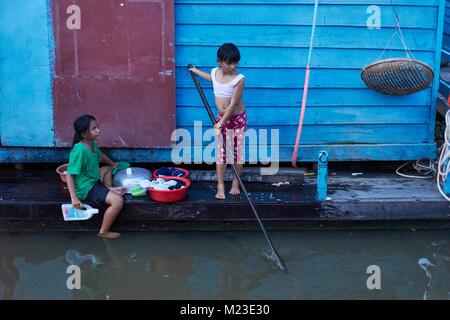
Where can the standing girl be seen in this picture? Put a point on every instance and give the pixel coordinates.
(228, 87)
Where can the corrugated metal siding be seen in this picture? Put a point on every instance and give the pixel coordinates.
(26, 62)
(273, 37)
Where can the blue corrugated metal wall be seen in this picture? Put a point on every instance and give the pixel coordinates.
(342, 114)
(26, 62)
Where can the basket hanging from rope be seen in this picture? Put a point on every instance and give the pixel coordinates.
(398, 76)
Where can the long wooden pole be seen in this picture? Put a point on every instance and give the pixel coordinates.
(277, 257)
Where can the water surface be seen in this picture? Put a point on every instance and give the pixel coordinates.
(226, 265)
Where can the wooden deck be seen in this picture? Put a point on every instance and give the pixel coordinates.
(31, 200)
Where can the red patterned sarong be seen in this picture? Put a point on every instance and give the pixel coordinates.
(233, 132)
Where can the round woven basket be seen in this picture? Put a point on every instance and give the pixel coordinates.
(398, 76)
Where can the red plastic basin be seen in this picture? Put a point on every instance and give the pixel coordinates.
(170, 195)
(186, 173)
(60, 170)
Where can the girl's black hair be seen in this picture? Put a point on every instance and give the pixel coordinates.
(81, 125)
(228, 53)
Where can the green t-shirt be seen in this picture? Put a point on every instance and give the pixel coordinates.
(84, 166)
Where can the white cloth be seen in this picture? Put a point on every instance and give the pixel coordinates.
(161, 184)
(221, 89)
(145, 184)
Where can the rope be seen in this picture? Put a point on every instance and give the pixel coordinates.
(398, 32)
(425, 171)
(402, 39)
(388, 44)
(443, 164)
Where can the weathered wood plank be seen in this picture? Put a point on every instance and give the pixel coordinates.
(268, 57)
(283, 116)
(316, 97)
(299, 37)
(330, 134)
(372, 199)
(335, 2)
(301, 14)
(343, 152)
(265, 78)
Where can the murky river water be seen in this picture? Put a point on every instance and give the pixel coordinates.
(227, 265)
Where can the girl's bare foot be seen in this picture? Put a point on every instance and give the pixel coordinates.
(220, 192)
(109, 235)
(235, 188)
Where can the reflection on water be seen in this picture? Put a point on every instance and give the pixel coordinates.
(226, 265)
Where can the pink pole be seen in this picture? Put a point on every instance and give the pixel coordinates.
(302, 115)
(305, 87)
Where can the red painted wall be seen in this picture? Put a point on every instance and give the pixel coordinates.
(115, 62)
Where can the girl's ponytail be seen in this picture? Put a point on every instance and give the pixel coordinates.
(81, 125)
(77, 138)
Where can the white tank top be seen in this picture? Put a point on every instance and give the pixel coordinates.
(221, 89)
